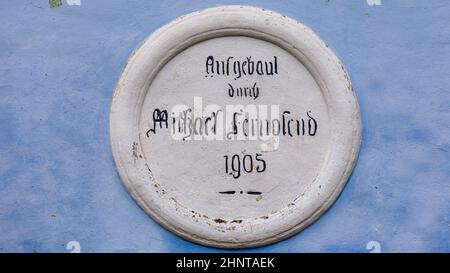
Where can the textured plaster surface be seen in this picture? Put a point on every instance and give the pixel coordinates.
(58, 181)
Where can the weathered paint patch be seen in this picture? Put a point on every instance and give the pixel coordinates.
(54, 3)
(374, 2)
(271, 146)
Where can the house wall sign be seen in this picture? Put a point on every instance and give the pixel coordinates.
(234, 127)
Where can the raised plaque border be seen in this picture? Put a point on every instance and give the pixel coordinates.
(185, 31)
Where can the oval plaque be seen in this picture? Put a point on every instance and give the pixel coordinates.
(234, 127)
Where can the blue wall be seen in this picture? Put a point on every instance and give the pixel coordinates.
(58, 68)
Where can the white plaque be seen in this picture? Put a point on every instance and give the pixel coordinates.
(234, 127)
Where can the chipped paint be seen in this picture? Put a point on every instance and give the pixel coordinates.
(272, 145)
(374, 2)
(54, 3)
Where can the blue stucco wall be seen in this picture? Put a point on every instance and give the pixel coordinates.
(58, 68)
